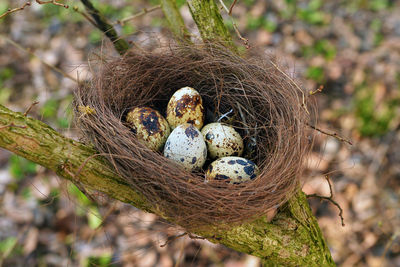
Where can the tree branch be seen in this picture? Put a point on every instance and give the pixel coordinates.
(292, 238)
(175, 20)
(209, 22)
(102, 24)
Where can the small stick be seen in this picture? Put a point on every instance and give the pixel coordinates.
(66, 75)
(229, 11)
(30, 107)
(231, 8)
(141, 13)
(335, 135)
(330, 198)
(173, 238)
(317, 91)
(85, 15)
(295, 84)
(9, 11)
(54, 2)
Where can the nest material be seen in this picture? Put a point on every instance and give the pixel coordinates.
(268, 111)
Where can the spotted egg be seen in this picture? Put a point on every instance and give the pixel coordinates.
(186, 146)
(150, 127)
(234, 170)
(185, 106)
(222, 140)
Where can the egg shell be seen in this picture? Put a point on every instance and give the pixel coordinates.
(150, 127)
(186, 146)
(222, 140)
(185, 106)
(234, 170)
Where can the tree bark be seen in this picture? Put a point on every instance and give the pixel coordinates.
(292, 238)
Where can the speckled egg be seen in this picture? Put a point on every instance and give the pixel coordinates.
(185, 106)
(234, 170)
(150, 127)
(186, 146)
(222, 140)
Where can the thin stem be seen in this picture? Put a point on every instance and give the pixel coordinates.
(144, 11)
(9, 11)
(102, 24)
(66, 75)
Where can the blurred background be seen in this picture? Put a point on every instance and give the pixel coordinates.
(352, 48)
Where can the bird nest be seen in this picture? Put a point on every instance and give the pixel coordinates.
(262, 102)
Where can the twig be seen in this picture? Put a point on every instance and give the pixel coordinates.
(173, 238)
(12, 125)
(43, 62)
(9, 11)
(229, 11)
(330, 198)
(388, 245)
(335, 135)
(54, 2)
(295, 84)
(85, 15)
(102, 24)
(141, 13)
(317, 91)
(30, 107)
(231, 8)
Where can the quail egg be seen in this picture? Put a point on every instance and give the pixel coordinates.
(222, 140)
(150, 127)
(186, 146)
(185, 106)
(234, 170)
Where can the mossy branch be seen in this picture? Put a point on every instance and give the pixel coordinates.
(175, 20)
(292, 238)
(209, 22)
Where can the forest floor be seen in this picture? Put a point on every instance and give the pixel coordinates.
(351, 48)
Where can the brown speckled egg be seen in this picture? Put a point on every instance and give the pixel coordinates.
(150, 127)
(186, 146)
(185, 106)
(234, 170)
(222, 140)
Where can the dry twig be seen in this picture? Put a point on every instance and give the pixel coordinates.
(231, 8)
(66, 75)
(30, 107)
(175, 237)
(141, 13)
(85, 15)
(319, 89)
(335, 135)
(330, 199)
(9, 11)
(229, 11)
(54, 2)
(303, 104)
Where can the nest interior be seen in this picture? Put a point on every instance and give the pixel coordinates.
(267, 109)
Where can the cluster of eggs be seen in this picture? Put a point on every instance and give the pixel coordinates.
(190, 143)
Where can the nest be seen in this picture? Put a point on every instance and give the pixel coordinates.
(264, 105)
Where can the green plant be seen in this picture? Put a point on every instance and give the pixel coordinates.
(20, 167)
(316, 73)
(373, 118)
